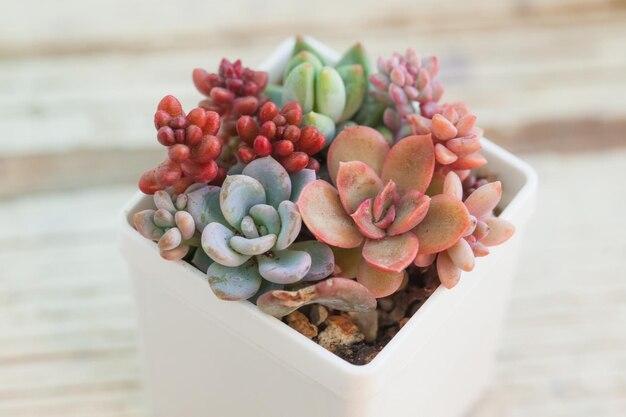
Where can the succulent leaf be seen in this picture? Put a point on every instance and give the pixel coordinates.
(251, 247)
(323, 214)
(379, 283)
(300, 58)
(290, 224)
(201, 260)
(322, 259)
(356, 182)
(461, 255)
(336, 293)
(300, 86)
(391, 253)
(184, 222)
(355, 83)
(216, 243)
(299, 180)
(482, 201)
(170, 239)
(145, 225)
(240, 193)
(330, 93)
(356, 55)
(448, 272)
(323, 123)
(274, 94)
(266, 216)
(411, 210)
(204, 206)
(410, 163)
(452, 185)
(303, 45)
(273, 177)
(360, 143)
(284, 267)
(363, 219)
(500, 231)
(446, 221)
(163, 201)
(234, 283)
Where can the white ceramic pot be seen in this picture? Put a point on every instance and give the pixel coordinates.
(204, 357)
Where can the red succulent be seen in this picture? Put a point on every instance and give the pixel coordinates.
(277, 133)
(192, 147)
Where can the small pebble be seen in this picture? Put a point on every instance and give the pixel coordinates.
(404, 321)
(385, 304)
(299, 322)
(318, 314)
(340, 331)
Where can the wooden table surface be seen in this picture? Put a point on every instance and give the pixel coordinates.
(79, 82)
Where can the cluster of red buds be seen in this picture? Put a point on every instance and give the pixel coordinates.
(232, 91)
(192, 147)
(277, 133)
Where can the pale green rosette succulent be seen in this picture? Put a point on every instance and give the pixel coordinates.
(250, 226)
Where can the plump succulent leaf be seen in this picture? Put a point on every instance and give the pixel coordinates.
(363, 220)
(379, 283)
(461, 255)
(446, 221)
(274, 94)
(391, 253)
(322, 259)
(482, 201)
(299, 180)
(234, 283)
(330, 93)
(303, 45)
(144, 223)
(266, 216)
(170, 239)
(355, 83)
(300, 58)
(411, 210)
(336, 293)
(163, 200)
(284, 267)
(358, 143)
(300, 86)
(410, 163)
(452, 185)
(273, 177)
(290, 224)
(356, 56)
(500, 231)
(215, 241)
(323, 123)
(449, 274)
(356, 182)
(325, 217)
(251, 247)
(184, 222)
(204, 206)
(239, 193)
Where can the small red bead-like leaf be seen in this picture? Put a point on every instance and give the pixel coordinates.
(200, 80)
(292, 113)
(168, 173)
(262, 146)
(267, 112)
(247, 129)
(207, 150)
(178, 152)
(171, 106)
(295, 162)
(325, 217)
(148, 183)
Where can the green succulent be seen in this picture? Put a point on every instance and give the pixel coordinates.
(250, 226)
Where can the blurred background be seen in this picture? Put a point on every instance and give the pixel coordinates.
(79, 83)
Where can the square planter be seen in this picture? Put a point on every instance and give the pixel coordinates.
(206, 357)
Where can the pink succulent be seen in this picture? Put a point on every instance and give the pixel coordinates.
(485, 230)
(455, 136)
(378, 205)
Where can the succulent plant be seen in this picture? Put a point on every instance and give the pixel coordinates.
(232, 91)
(456, 138)
(378, 205)
(485, 230)
(250, 227)
(406, 84)
(192, 147)
(277, 133)
(170, 225)
(336, 293)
